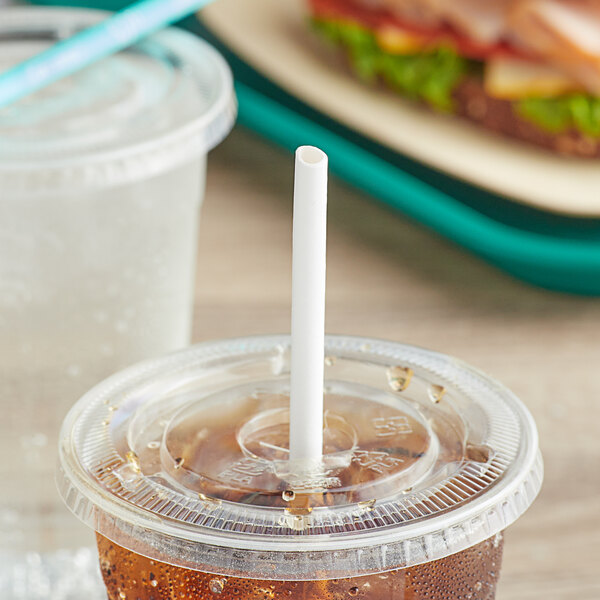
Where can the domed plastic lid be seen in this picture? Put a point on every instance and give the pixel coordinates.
(185, 460)
(132, 115)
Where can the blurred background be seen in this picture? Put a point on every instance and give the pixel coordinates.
(491, 255)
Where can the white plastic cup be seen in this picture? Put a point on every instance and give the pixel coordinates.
(102, 177)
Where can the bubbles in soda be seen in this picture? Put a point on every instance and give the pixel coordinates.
(471, 574)
(373, 451)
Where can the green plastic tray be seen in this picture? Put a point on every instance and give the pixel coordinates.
(548, 250)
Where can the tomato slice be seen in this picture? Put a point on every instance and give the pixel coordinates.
(377, 18)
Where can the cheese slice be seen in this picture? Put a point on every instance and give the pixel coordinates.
(512, 78)
(394, 40)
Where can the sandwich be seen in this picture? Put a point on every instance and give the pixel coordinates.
(528, 69)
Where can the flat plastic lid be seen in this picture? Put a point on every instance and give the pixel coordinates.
(134, 114)
(184, 460)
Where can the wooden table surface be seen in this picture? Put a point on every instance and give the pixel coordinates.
(389, 278)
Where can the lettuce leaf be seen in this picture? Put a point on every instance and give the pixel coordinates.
(432, 75)
(429, 76)
(580, 112)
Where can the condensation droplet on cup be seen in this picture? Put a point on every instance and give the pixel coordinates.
(121, 326)
(362, 508)
(478, 586)
(353, 591)
(329, 361)
(122, 595)
(100, 316)
(278, 362)
(73, 370)
(200, 435)
(497, 540)
(294, 521)
(299, 511)
(367, 504)
(436, 392)
(288, 495)
(34, 560)
(106, 350)
(399, 377)
(216, 586)
(178, 462)
(35, 440)
(478, 453)
(154, 445)
(210, 499)
(134, 461)
(153, 582)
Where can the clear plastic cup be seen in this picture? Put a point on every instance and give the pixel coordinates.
(102, 177)
(181, 467)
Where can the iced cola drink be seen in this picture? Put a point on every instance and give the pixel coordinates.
(471, 573)
(182, 467)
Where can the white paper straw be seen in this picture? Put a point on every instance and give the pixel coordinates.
(308, 306)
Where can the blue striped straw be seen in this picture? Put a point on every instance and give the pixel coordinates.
(111, 35)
